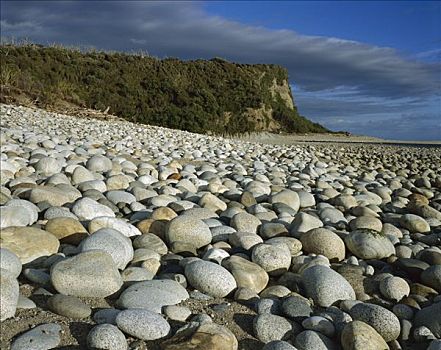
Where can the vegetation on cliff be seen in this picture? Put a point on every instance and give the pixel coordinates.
(200, 96)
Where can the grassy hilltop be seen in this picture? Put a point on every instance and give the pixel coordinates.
(200, 96)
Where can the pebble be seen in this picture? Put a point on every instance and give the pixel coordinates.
(205, 335)
(430, 317)
(29, 243)
(274, 224)
(87, 274)
(177, 313)
(67, 230)
(246, 273)
(268, 327)
(304, 222)
(368, 244)
(106, 316)
(324, 242)
(296, 308)
(10, 262)
(325, 286)
(9, 293)
(313, 340)
(88, 209)
(68, 306)
(210, 278)
(189, 230)
(379, 318)
(414, 223)
(319, 324)
(275, 259)
(111, 241)
(152, 295)
(119, 225)
(25, 303)
(142, 324)
(432, 277)
(106, 336)
(394, 288)
(44, 336)
(358, 335)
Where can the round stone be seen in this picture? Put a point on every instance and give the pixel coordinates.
(368, 244)
(288, 197)
(189, 230)
(246, 273)
(202, 335)
(106, 316)
(366, 222)
(106, 337)
(142, 324)
(25, 303)
(296, 308)
(177, 313)
(319, 324)
(118, 246)
(67, 230)
(152, 295)
(210, 278)
(273, 258)
(54, 196)
(120, 225)
(88, 274)
(150, 241)
(414, 223)
(18, 212)
(68, 306)
(10, 262)
(379, 318)
(432, 277)
(81, 174)
(268, 327)
(306, 199)
(88, 209)
(210, 201)
(326, 286)
(324, 242)
(120, 197)
(45, 336)
(245, 222)
(99, 164)
(28, 243)
(9, 293)
(313, 340)
(358, 335)
(304, 222)
(394, 288)
(430, 317)
(48, 166)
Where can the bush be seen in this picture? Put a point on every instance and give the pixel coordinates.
(189, 95)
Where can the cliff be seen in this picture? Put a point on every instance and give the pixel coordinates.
(200, 96)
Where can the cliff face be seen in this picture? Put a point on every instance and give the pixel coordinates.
(201, 96)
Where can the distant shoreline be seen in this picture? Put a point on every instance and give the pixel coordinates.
(270, 138)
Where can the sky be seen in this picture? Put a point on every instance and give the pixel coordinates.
(367, 67)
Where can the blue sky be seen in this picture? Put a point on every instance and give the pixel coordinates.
(368, 67)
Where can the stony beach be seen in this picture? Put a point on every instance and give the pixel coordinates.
(121, 236)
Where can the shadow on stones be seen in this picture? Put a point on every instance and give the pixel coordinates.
(40, 300)
(245, 322)
(80, 330)
(250, 344)
(69, 347)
